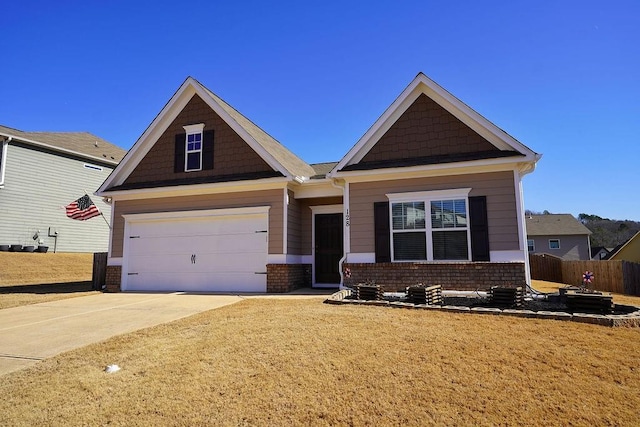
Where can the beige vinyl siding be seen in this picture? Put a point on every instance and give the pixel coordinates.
(294, 244)
(498, 187)
(38, 185)
(272, 198)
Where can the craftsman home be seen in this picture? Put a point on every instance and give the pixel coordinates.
(207, 201)
(40, 173)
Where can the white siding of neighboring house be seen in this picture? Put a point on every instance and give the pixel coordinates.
(37, 187)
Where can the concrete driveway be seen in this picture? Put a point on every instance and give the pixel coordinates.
(31, 333)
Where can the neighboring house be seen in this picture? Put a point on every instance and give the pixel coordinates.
(207, 201)
(40, 173)
(629, 251)
(561, 235)
(599, 253)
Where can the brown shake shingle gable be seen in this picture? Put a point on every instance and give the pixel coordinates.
(82, 143)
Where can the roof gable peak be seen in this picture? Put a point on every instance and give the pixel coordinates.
(422, 85)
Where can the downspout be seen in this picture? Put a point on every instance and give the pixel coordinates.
(3, 160)
(345, 225)
(519, 173)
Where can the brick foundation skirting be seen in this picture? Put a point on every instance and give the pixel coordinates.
(287, 277)
(114, 274)
(463, 276)
(280, 277)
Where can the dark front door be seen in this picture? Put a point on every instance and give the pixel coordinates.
(328, 247)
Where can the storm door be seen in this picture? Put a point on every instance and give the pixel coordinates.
(328, 247)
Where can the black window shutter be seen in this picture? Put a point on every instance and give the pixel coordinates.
(381, 230)
(207, 150)
(178, 161)
(479, 228)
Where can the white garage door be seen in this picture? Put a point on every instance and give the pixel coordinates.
(201, 251)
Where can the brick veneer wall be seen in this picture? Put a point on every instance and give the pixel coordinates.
(114, 273)
(287, 277)
(467, 276)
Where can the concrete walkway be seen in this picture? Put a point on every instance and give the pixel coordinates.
(35, 332)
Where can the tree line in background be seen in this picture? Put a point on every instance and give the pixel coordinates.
(606, 232)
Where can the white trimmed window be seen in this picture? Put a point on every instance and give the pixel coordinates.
(443, 235)
(554, 243)
(531, 245)
(193, 148)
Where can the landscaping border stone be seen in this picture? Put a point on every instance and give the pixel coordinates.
(631, 319)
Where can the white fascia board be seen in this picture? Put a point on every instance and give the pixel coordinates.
(423, 85)
(197, 189)
(315, 188)
(151, 134)
(445, 169)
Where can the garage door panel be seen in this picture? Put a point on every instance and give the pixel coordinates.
(217, 253)
(221, 282)
(212, 244)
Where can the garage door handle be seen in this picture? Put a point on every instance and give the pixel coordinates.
(193, 259)
(260, 272)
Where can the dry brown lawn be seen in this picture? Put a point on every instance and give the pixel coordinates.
(29, 278)
(301, 362)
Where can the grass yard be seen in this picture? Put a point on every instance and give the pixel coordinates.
(30, 278)
(293, 362)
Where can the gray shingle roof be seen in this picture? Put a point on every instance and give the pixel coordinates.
(555, 225)
(322, 169)
(81, 143)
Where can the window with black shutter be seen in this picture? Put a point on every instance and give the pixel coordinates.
(193, 149)
(430, 226)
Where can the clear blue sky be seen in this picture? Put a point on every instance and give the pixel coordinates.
(563, 77)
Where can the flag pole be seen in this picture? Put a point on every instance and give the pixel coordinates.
(101, 214)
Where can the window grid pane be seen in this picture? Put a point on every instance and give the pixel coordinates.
(194, 142)
(449, 213)
(408, 216)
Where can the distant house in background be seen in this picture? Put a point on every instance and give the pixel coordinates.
(561, 235)
(599, 253)
(40, 173)
(628, 251)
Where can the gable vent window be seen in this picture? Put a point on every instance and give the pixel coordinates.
(193, 148)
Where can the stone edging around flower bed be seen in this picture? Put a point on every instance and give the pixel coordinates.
(612, 320)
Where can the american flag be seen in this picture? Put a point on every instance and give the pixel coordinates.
(82, 209)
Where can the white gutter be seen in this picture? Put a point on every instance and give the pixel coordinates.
(3, 160)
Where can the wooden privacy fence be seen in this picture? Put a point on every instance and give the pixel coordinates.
(610, 276)
(546, 267)
(99, 277)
